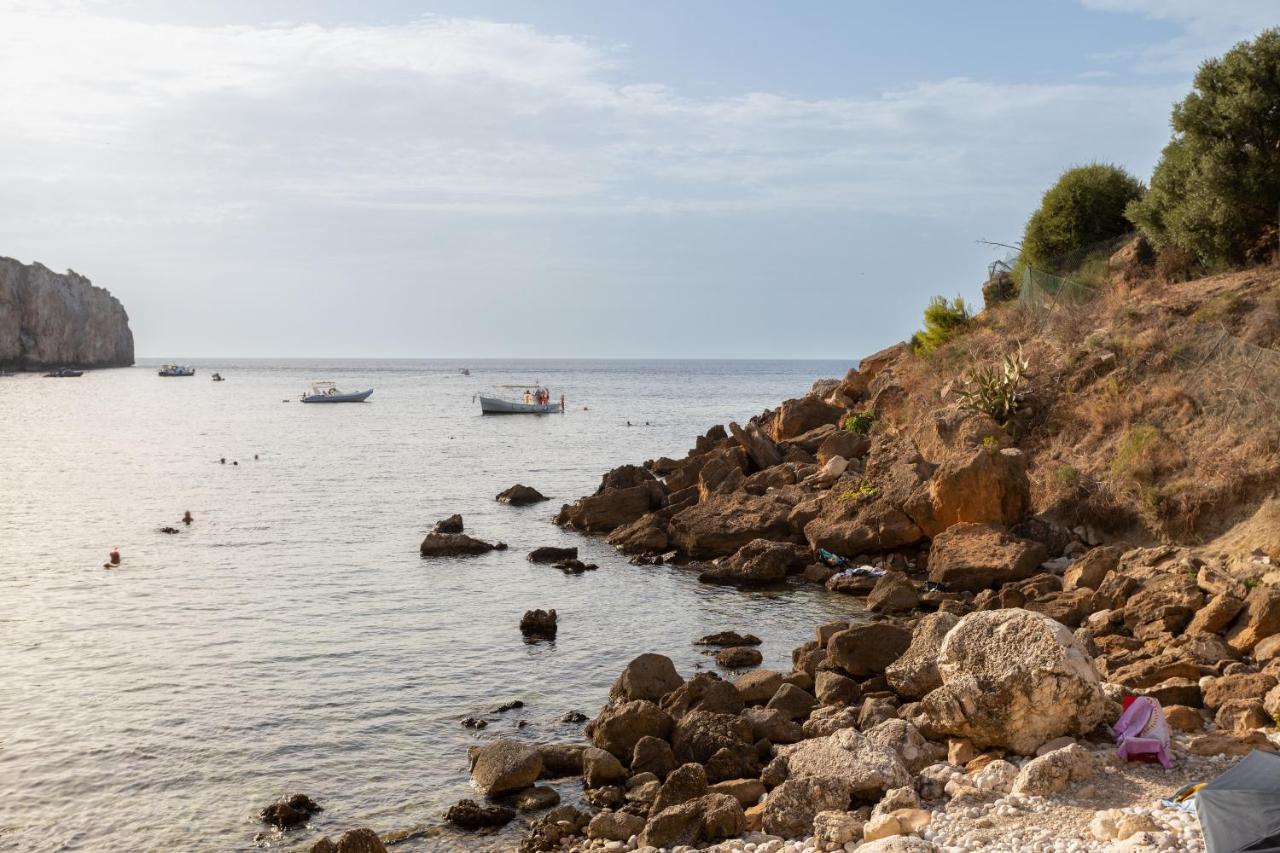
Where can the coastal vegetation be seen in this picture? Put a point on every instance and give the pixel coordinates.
(1213, 196)
(1032, 546)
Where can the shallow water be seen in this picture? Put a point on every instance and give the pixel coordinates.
(292, 638)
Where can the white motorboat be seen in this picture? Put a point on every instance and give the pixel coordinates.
(535, 400)
(327, 392)
(177, 370)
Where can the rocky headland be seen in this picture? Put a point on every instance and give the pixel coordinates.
(1009, 613)
(50, 319)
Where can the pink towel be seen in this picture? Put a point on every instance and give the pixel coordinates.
(1141, 731)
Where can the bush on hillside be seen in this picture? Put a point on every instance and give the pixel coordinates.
(1085, 206)
(1215, 190)
(943, 320)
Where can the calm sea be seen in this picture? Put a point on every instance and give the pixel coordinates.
(292, 638)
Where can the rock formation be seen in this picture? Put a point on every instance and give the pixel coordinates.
(50, 319)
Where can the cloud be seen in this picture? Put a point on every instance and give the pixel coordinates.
(211, 123)
(1204, 28)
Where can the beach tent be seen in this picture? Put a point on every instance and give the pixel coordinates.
(1240, 810)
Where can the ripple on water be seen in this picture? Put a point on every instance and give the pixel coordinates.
(292, 639)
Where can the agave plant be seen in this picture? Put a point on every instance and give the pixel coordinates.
(996, 390)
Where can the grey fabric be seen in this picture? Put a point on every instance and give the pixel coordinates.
(1240, 810)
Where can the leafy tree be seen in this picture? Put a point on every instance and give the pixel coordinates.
(1216, 188)
(1085, 206)
(942, 321)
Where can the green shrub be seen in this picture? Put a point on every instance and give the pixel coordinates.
(860, 422)
(1086, 206)
(1215, 190)
(995, 391)
(943, 320)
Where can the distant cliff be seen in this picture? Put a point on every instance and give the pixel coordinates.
(50, 319)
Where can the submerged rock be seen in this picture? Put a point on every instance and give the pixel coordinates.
(352, 841)
(539, 623)
(552, 554)
(455, 545)
(519, 495)
(728, 638)
(470, 815)
(452, 524)
(291, 811)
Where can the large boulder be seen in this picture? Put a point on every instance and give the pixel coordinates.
(866, 650)
(974, 557)
(504, 766)
(982, 486)
(621, 725)
(1054, 771)
(796, 417)
(869, 768)
(1013, 679)
(1092, 568)
(759, 562)
(648, 676)
(722, 524)
(915, 672)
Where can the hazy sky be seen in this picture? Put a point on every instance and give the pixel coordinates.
(716, 178)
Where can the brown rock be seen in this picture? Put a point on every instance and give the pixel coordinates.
(758, 687)
(1242, 715)
(915, 673)
(620, 725)
(981, 486)
(724, 523)
(1092, 568)
(1260, 619)
(795, 417)
(1183, 719)
(974, 557)
(649, 676)
(865, 650)
(760, 447)
(738, 657)
(1229, 688)
(893, 593)
(759, 562)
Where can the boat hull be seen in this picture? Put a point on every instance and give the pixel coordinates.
(353, 397)
(494, 406)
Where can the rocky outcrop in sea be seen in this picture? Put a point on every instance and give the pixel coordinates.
(50, 319)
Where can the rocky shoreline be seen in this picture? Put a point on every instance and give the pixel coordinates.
(971, 710)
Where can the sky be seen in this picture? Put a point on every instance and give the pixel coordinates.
(564, 178)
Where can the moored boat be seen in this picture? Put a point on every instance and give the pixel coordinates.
(217, 377)
(64, 373)
(533, 402)
(327, 392)
(177, 370)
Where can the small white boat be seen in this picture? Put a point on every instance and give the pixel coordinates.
(327, 392)
(177, 370)
(535, 401)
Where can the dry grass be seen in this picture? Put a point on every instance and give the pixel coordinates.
(1153, 411)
